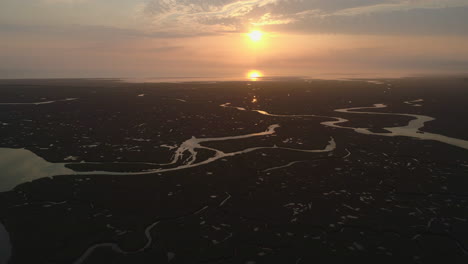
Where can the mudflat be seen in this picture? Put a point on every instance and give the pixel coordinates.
(295, 171)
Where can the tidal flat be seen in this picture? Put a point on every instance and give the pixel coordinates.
(294, 171)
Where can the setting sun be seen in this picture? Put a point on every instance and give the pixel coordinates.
(254, 75)
(255, 35)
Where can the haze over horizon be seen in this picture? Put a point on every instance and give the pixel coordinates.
(209, 38)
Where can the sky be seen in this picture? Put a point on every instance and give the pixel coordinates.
(209, 38)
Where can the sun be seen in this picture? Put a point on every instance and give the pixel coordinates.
(254, 75)
(255, 35)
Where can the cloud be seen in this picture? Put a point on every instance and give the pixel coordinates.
(201, 14)
(269, 19)
(417, 21)
(63, 1)
(93, 32)
(165, 49)
(333, 16)
(194, 17)
(369, 59)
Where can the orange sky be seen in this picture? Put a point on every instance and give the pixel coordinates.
(123, 38)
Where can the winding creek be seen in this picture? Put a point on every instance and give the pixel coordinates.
(5, 245)
(41, 103)
(412, 129)
(21, 165)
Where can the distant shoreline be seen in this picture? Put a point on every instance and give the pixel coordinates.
(351, 77)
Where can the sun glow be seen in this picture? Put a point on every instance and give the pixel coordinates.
(256, 35)
(254, 75)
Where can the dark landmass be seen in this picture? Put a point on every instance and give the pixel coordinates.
(374, 198)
